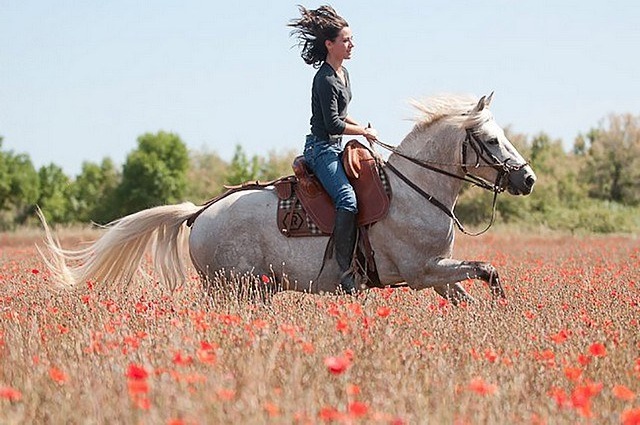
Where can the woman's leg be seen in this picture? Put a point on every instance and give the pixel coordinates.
(326, 162)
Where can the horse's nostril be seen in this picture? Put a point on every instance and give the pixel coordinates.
(530, 181)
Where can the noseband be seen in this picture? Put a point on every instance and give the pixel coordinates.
(482, 152)
(472, 141)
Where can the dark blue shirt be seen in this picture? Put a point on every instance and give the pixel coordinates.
(330, 98)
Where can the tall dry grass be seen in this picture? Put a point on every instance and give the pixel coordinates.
(564, 348)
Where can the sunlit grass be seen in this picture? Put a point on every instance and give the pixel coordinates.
(564, 348)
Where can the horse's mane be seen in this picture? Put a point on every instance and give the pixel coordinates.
(454, 107)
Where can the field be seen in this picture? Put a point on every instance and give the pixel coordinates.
(563, 348)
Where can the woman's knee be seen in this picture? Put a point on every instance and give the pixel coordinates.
(346, 199)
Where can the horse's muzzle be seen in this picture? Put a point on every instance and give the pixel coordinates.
(521, 181)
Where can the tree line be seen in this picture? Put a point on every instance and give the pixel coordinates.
(594, 187)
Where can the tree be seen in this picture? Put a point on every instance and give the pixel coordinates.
(205, 176)
(612, 159)
(241, 168)
(19, 188)
(54, 199)
(4, 178)
(25, 186)
(94, 191)
(154, 174)
(278, 164)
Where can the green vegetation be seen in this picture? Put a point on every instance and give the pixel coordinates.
(593, 188)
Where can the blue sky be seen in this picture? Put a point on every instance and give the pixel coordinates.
(80, 81)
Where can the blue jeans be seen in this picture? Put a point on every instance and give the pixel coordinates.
(325, 160)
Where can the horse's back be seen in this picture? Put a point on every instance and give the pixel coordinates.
(240, 233)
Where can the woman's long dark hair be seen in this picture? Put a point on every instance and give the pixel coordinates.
(313, 28)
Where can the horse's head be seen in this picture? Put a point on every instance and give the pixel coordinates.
(487, 153)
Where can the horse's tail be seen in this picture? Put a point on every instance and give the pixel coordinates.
(114, 258)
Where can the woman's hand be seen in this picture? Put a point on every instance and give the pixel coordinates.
(370, 133)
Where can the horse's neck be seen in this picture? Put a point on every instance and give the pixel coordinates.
(439, 146)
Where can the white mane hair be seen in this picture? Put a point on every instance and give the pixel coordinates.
(460, 109)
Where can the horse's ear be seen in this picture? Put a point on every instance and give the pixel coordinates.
(489, 99)
(481, 105)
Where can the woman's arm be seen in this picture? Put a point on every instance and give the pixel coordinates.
(354, 129)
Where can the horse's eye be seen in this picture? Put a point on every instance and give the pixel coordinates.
(493, 141)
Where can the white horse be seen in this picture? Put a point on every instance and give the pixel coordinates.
(456, 137)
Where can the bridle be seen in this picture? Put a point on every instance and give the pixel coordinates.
(471, 141)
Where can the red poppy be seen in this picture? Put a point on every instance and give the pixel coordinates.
(623, 393)
(353, 389)
(630, 417)
(180, 359)
(271, 408)
(137, 372)
(480, 386)
(490, 355)
(584, 360)
(597, 350)
(225, 394)
(572, 373)
(337, 364)
(560, 337)
(358, 409)
(383, 311)
(57, 375)
(11, 394)
(329, 414)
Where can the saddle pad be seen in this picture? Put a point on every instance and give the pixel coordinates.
(295, 220)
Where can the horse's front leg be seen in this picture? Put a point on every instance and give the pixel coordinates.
(453, 292)
(444, 275)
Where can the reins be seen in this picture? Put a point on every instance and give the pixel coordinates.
(481, 152)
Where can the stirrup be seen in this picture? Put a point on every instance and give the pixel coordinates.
(348, 283)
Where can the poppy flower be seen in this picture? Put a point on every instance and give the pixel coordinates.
(57, 375)
(383, 311)
(623, 393)
(572, 373)
(180, 359)
(597, 350)
(337, 364)
(225, 394)
(560, 337)
(11, 394)
(630, 417)
(358, 409)
(271, 408)
(136, 372)
(329, 414)
(353, 389)
(480, 386)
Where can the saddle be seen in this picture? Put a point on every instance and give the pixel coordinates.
(305, 208)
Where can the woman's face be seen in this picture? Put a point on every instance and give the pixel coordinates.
(340, 48)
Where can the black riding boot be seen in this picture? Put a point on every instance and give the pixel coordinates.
(344, 234)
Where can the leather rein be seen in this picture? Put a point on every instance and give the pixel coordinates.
(471, 141)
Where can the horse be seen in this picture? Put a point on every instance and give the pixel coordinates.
(455, 138)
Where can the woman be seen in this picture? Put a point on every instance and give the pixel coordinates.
(326, 41)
